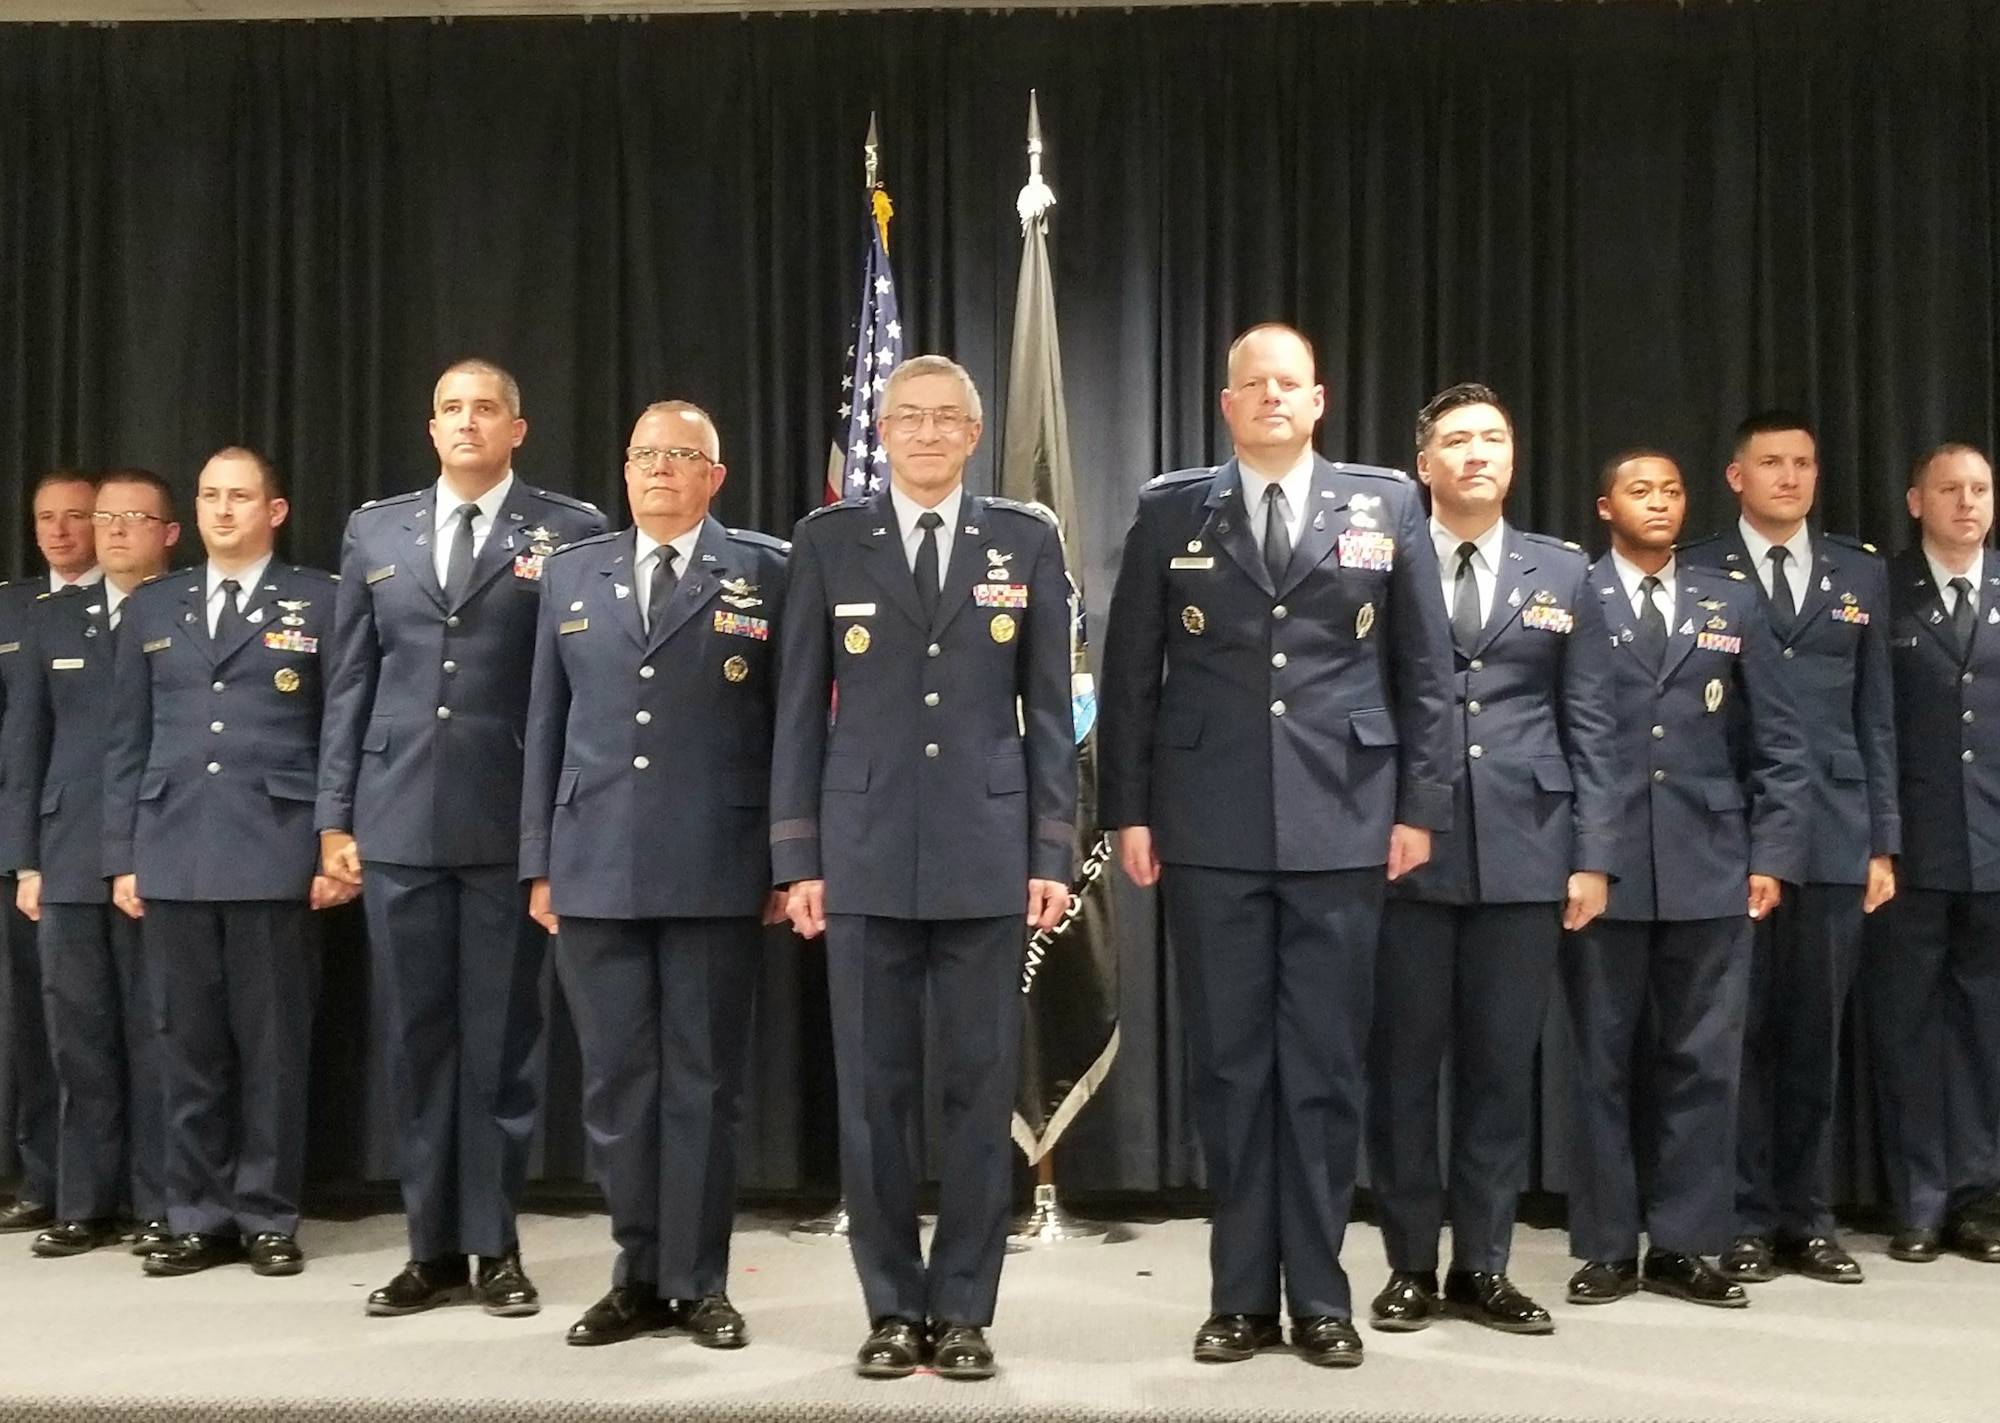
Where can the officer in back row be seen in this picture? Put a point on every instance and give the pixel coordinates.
(208, 838)
(646, 842)
(1930, 978)
(420, 781)
(1708, 771)
(1277, 694)
(1468, 955)
(1826, 598)
(915, 831)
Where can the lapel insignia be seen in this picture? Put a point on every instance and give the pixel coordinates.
(1826, 584)
(1936, 617)
(1319, 519)
(1993, 615)
(1711, 695)
(1687, 628)
(254, 616)
(1364, 621)
(94, 609)
(1624, 635)
(1514, 598)
(619, 590)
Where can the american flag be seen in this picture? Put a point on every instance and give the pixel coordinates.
(859, 466)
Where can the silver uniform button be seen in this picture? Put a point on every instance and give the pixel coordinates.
(1965, 755)
(1472, 708)
(1475, 751)
(451, 666)
(1281, 611)
(215, 726)
(1277, 659)
(1964, 680)
(216, 686)
(640, 762)
(1477, 665)
(444, 713)
(930, 699)
(931, 749)
(1659, 732)
(1967, 717)
(1788, 654)
(644, 718)
(1659, 776)
(452, 621)
(214, 766)
(1277, 708)
(933, 650)
(646, 672)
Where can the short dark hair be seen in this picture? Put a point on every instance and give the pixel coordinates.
(1607, 477)
(1456, 397)
(1772, 422)
(273, 487)
(1937, 452)
(151, 480)
(60, 476)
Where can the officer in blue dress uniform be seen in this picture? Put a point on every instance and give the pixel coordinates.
(112, 1155)
(420, 781)
(62, 507)
(1277, 701)
(208, 838)
(1709, 772)
(1468, 956)
(646, 841)
(918, 826)
(1930, 977)
(1826, 598)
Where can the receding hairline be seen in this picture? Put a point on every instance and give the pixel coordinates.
(163, 493)
(1270, 328)
(686, 409)
(243, 454)
(1950, 449)
(510, 389)
(916, 367)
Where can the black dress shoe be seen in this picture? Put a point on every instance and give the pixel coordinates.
(1817, 1257)
(894, 1349)
(1748, 1261)
(1689, 1277)
(75, 1237)
(1602, 1281)
(422, 1285)
(1915, 1246)
(504, 1289)
(1492, 1300)
(191, 1254)
(1409, 1302)
(1232, 1338)
(272, 1253)
(24, 1216)
(1976, 1238)
(960, 1352)
(626, 1313)
(149, 1236)
(713, 1321)
(1328, 1342)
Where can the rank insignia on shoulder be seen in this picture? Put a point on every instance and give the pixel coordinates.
(741, 625)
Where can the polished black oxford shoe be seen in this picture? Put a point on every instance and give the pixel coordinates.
(25, 1215)
(1492, 1300)
(1407, 1303)
(1326, 1341)
(1817, 1257)
(275, 1253)
(1602, 1281)
(503, 1288)
(960, 1352)
(422, 1285)
(1232, 1338)
(75, 1237)
(627, 1312)
(713, 1322)
(894, 1349)
(191, 1254)
(1689, 1277)
(1748, 1261)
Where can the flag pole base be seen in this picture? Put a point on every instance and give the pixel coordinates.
(1047, 1224)
(831, 1226)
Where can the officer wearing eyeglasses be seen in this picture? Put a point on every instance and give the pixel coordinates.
(420, 782)
(645, 839)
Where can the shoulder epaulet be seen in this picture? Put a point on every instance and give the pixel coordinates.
(1175, 477)
(1849, 541)
(1550, 541)
(605, 537)
(760, 539)
(391, 499)
(319, 573)
(1019, 506)
(1702, 542)
(43, 597)
(1372, 471)
(826, 509)
(568, 501)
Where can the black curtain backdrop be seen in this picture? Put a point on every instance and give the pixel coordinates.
(1637, 220)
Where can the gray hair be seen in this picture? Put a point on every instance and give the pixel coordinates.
(935, 366)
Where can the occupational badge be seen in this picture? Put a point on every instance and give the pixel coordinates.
(293, 608)
(740, 593)
(285, 680)
(1002, 627)
(857, 640)
(1194, 620)
(1711, 695)
(735, 669)
(1364, 621)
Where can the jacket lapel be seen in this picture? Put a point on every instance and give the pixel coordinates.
(1228, 526)
(1681, 633)
(882, 555)
(257, 610)
(1929, 603)
(968, 558)
(1510, 580)
(1327, 517)
(619, 570)
(1819, 591)
(504, 542)
(698, 584)
(194, 612)
(417, 556)
(1610, 591)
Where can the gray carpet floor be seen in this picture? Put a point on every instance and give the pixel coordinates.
(1093, 1333)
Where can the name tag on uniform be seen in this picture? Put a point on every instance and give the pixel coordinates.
(854, 610)
(290, 640)
(6, 647)
(378, 574)
(1844, 614)
(741, 625)
(66, 664)
(1204, 562)
(574, 625)
(528, 565)
(1717, 642)
(1000, 595)
(1368, 551)
(1546, 619)
(159, 644)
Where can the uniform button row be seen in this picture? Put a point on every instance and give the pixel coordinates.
(1965, 679)
(933, 650)
(1472, 708)
(644, 718)
(1277, 659)
(1965, 755)
(1659, 776)
(452, 621)
(641, 762)
(930, 699)
(1788, 654)
(1277, 708)
(1967, 718)
(444, 713)
(214, 766)
(646, 672)
(931, 749)
(1477, 665)
(1475, 751)
(450, 667)
(215, 726)
(1659, 733)
(216, 686)
(1281, 611)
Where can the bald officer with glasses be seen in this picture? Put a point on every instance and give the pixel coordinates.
(917, 827)
(645, 839)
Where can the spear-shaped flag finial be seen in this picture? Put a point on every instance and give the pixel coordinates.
(871, 151)
(1037, 198)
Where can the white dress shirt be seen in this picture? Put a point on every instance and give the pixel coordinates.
(114, 602)
(1941, 577)
(1630, 576)
(645, 566)
(1798, 567)
(909, 510)
(1297, 484)
(246, 584)
(445, 524)
(87, 579)
(1485, 564)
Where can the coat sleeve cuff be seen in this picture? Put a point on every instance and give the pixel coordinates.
(1048, 860)
(794, 851)
(1425, 805)
(534, 859)
(1595, 854)
(333, 812)
(1887, 837)
(117, 858)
